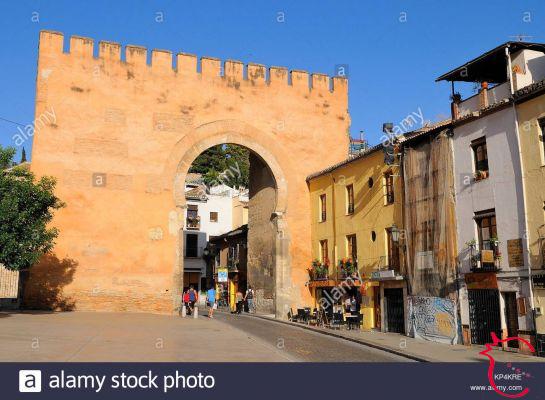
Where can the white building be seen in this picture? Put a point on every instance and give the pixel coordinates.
(209, 212)
(495, 293)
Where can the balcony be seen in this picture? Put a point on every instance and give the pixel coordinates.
(476, 102)
(487, 258)
(193, 223)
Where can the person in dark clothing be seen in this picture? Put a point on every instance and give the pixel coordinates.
(193, 297)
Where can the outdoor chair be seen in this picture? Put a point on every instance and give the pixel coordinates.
(291, 316)
(301, 315)
(337, 320)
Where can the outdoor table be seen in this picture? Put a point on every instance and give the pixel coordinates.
(352, 321)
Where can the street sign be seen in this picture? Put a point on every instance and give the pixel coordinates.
(222, 274)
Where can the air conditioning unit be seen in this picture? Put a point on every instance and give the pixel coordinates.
(539, 311)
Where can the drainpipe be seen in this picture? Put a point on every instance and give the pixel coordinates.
(517, 134)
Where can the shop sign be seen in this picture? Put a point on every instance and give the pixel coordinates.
(222, 274)
(515, 253)
(390, 273)
(481, 280)
(539, 281)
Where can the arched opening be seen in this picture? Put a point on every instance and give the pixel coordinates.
(268, 238)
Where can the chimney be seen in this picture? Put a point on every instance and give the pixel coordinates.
(454, 106)
(483, 95)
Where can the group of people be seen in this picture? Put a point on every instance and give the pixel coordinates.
(191, 296)
(245, 301)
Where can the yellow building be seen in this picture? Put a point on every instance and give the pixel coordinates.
(356, 211)
(530, 105)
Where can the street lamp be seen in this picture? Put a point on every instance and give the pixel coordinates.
(395, 233)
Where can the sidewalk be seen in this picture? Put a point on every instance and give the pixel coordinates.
(415, 349)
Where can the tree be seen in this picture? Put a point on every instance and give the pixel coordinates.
(226, 163)
(26, 209)
(23, 156)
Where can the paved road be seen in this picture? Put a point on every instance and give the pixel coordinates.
(299, 344)
(88, 337)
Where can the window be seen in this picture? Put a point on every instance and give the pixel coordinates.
(480, 156)
(191, 245)
(192, 211)
(389, 183)
(393, 251)
(193, 219)
(213, 216)
(350, 199)
(427, 233)
(352, 247)
(486, 228)
(324, 258)
(323, 212)
(541, 123)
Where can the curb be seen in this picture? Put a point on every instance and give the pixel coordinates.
(339, 336)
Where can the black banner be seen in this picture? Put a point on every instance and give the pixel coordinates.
(270, 381)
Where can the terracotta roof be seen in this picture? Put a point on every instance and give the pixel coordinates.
(407, 136)
(197, 193)
(193, 178)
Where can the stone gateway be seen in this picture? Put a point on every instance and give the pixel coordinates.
(124, 136)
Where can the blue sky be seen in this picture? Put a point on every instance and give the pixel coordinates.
(394, 49)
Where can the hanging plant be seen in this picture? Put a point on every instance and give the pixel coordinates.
(347, 266)
(317, 270)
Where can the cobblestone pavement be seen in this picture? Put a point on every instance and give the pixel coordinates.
(304, 345)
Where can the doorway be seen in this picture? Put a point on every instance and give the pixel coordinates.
(484, 314)
(376, 306)
(395, 313)
(511, 317)
(217, 178)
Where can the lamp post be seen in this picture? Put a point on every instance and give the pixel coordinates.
(395, 233)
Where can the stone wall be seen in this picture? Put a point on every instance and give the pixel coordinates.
(120, 134)
(262, 235)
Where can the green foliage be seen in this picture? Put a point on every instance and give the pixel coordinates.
(6, 157)
(318, 270)
(26, 208)
(228, 164)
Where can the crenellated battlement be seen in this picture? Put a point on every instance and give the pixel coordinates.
(188, 65)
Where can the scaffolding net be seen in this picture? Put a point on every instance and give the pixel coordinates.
(430, 224)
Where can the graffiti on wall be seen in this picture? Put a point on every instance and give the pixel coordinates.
(433, 318)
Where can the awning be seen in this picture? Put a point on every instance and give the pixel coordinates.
(489, 67)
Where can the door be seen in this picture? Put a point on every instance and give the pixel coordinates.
(484, 314)
(395, 313)
(376, 306)
(511, 317)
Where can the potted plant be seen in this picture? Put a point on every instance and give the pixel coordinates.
(476, 259)
(479, 175)
(347, 267)
(317, 270)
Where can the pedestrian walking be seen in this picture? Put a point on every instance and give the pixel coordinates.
(211, 301)
(193, 297)
(239, 301)
(249, 298)
(185, 299)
